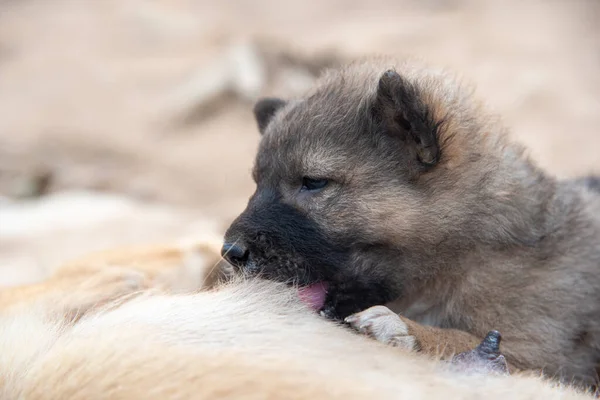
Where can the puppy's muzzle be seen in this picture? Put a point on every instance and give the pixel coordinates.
(236, 254)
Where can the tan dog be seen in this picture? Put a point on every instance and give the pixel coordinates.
(91, 332)
(396, 187)
(170, 268)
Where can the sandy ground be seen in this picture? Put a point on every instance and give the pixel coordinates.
(143, 107)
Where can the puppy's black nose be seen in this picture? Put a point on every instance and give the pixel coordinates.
(235, 253)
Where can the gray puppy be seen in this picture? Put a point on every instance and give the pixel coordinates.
(394, 186)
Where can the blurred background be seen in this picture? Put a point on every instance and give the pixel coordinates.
(129, 122)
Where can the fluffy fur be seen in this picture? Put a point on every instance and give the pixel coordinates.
(249, 339)
(429, 207)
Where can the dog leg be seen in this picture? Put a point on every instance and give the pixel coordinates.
(382, 324)
(170, 268)
(74, 297)
(466, 351)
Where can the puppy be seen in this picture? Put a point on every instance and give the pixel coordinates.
(390, 184)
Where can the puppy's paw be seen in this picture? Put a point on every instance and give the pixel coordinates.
(384, 325)
(485, 358)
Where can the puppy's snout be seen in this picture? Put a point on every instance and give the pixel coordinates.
(235, 253)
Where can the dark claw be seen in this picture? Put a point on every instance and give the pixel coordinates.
(489, 348)
(485, 358)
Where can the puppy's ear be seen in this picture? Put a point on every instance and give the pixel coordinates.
(400, 109)
(265, 109)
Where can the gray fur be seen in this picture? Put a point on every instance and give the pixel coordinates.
(482, 239)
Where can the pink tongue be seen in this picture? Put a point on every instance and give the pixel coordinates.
(314, 295)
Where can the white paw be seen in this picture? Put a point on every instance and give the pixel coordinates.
(382, 324)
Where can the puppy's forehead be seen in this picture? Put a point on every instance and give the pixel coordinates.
(326, 115)
(321, 128)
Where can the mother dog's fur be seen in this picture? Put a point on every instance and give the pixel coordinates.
(113, 335)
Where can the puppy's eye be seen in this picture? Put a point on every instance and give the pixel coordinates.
(312, 185)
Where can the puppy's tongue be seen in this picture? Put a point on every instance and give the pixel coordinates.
(314, 295)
